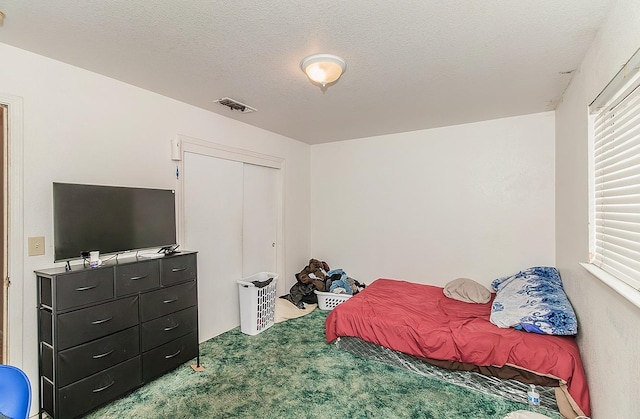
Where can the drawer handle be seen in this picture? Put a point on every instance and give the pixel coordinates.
(178, 269)
(136, 278)
(102, 321)
(98, 390)
(173, 300)
(86, 288)
(168, 329)
(103, 355)
(173, 355)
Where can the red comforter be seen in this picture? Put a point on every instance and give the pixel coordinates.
(419, 320)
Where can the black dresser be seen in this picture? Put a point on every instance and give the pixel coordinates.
(105, 331)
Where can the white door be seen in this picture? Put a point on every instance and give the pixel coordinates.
(259, 223)
(230, 218)
(213, 227)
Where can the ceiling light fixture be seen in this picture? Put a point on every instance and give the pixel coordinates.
(323, 69)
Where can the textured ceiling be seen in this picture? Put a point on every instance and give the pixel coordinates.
(412, 64)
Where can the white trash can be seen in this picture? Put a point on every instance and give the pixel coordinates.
(257, 302)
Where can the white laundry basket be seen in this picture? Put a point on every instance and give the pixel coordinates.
(257, 304)
(329, 300)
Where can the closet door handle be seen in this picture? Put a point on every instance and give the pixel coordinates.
(136, 278)
(98, 390)
(173, 355)
(170, 328)
(102, 320)
(103, 355)
(178, 269)
(90, 287)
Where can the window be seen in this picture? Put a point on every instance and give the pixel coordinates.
(615, 176)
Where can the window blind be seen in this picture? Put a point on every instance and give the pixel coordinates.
(615, 197)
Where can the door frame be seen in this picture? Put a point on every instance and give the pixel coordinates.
(15, 229)
(185, 144)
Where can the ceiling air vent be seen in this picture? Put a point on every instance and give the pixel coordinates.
(234, 105)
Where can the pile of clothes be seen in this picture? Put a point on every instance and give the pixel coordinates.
(318, 276)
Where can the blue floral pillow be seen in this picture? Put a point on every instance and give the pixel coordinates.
(533, 300)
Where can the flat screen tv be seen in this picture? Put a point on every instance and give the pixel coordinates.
(110, 219)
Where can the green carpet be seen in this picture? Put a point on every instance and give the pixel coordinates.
(289, 371)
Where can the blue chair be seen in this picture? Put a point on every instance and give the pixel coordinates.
(15, 393)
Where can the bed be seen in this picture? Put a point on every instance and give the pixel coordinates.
(419, 320)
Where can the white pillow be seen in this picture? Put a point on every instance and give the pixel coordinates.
(467, 290)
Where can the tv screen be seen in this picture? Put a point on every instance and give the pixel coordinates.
(110, 219)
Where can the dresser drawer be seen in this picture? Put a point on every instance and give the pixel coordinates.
(46, 361)
(95, 322)
(167, 300)
(84, 287)
(172, 326)
(137, 277)
(178, 269)
(84, 360)
(168, 356)
(47, 396)
(97, 389)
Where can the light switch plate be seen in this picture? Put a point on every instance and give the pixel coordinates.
(36, 246)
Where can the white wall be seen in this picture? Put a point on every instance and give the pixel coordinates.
(86, 128)
(609, 336)
(473, 200)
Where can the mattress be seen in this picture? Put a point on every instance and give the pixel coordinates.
(419, 320)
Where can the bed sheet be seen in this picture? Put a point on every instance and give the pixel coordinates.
(419, 320)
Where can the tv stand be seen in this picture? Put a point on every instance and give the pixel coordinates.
(105, 331)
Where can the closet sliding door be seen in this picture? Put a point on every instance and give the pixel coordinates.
(213, 200)
(259, 219)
